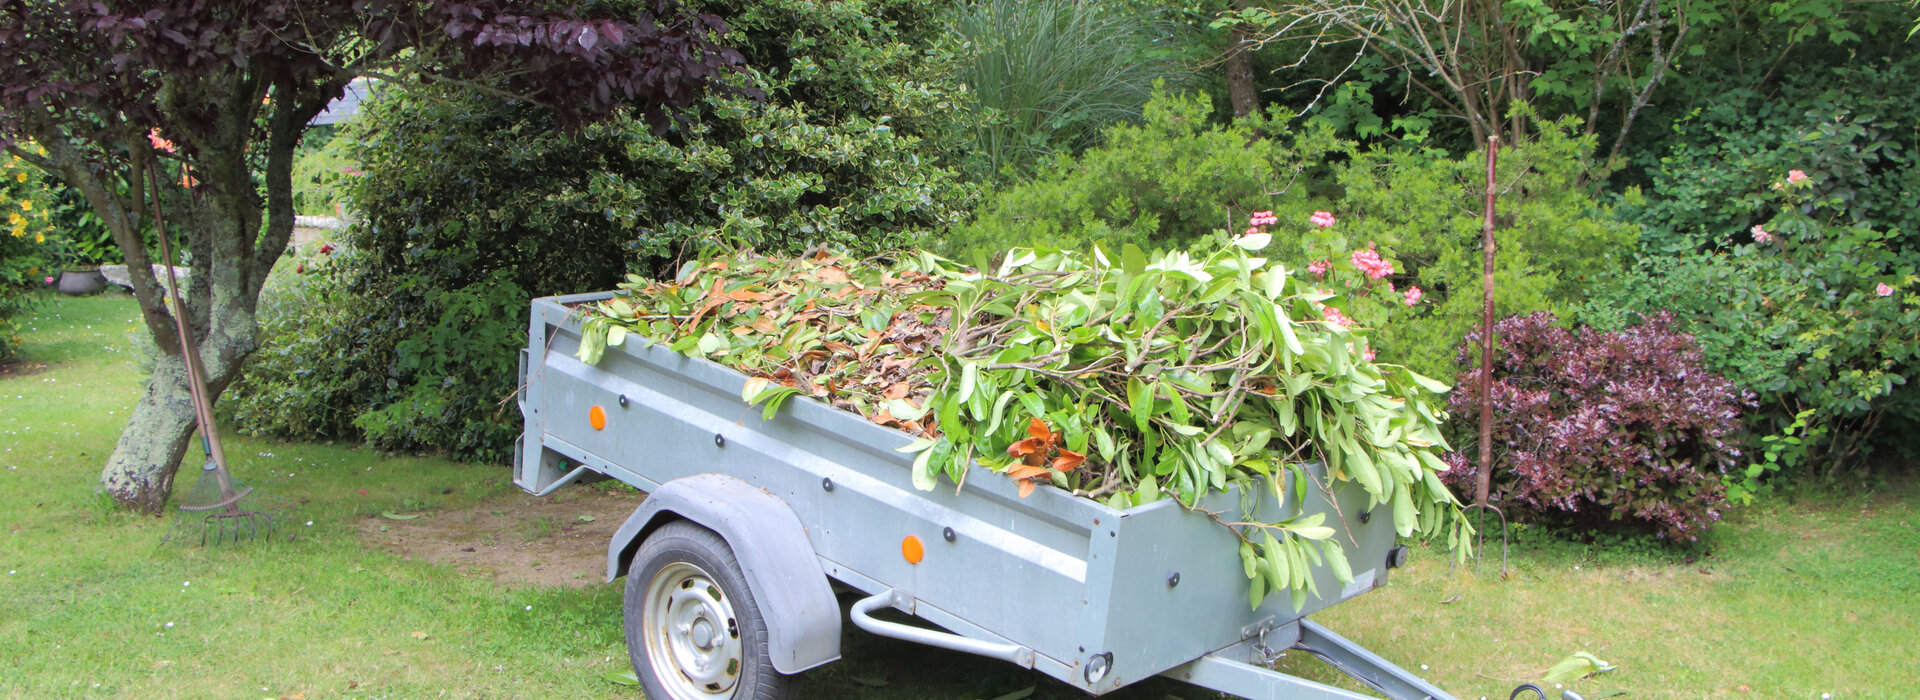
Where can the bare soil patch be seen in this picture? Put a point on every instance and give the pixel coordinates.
(559, 540)
(23, 369)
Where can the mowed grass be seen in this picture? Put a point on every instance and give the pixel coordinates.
(1795, 598)
(91, 603)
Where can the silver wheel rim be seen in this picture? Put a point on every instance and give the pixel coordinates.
(692, 636)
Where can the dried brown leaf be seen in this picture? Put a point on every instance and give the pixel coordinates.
(1027, 472)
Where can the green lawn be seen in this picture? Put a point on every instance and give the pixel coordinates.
(1786, 600)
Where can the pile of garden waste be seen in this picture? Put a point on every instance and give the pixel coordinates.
(1124, 381)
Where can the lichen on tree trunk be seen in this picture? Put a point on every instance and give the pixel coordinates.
(139, 474)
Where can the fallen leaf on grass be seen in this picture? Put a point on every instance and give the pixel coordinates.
(585, 518)
(390, 515)
(622, 678)
(421, 635)
(1580, 665)
(1450, 600)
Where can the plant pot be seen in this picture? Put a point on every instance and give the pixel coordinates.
(78, 282)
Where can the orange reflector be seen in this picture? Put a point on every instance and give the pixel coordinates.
(597, 416)
(912, 549)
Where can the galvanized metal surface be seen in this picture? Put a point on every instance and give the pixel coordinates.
(1134, 592)
(862, 614)
(803, 618)
(1366, 666)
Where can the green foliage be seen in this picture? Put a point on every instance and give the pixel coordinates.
(323, 168)
(24, 246)
(1821, 315)
(1159, 185)
(1162, 184)
(1422, 211)
(1047, 75)
(1854, 131)
(28, 237)
(472, 205)
(1176, 374)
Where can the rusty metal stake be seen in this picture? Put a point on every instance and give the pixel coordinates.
(1484, 482)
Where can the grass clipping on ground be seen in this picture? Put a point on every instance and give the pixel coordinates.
(1165, 376)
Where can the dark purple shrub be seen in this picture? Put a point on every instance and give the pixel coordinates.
(1601, 429)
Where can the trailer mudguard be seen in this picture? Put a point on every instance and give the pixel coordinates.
(803, 618)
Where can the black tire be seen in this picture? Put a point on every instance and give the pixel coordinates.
(704, 599)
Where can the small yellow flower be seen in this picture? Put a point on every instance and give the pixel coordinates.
(39, 238)
(27, 205)
(20, 176)
(16, 220)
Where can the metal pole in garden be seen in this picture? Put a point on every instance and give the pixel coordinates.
(1481, 485)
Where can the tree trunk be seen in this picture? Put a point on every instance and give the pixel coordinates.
(139, 475)
(1240, 86)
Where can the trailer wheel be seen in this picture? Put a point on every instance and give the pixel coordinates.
(693, 629)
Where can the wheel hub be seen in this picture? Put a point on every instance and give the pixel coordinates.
(692, 639)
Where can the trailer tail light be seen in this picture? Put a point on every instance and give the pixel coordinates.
(912, 549)
(597, 417)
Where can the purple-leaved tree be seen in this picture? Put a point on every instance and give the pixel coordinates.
(216, 94)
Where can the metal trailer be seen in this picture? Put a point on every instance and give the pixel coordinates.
(747, 519)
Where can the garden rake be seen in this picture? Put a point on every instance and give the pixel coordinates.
(217, 510)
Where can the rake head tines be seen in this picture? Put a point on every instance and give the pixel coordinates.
(217, 513)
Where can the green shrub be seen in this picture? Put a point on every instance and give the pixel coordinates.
(472, 205)
(1421, 211)
(24, 247)
(1827, 167)
(1854, 130)
(1162, 184)
(1821, 317)
(1176, 178)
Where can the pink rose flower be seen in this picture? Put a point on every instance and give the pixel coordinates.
(1883, 290)
(50, 281)
(1322, 219)
(1760, 235)
(1794, 176)
(1413, 295)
